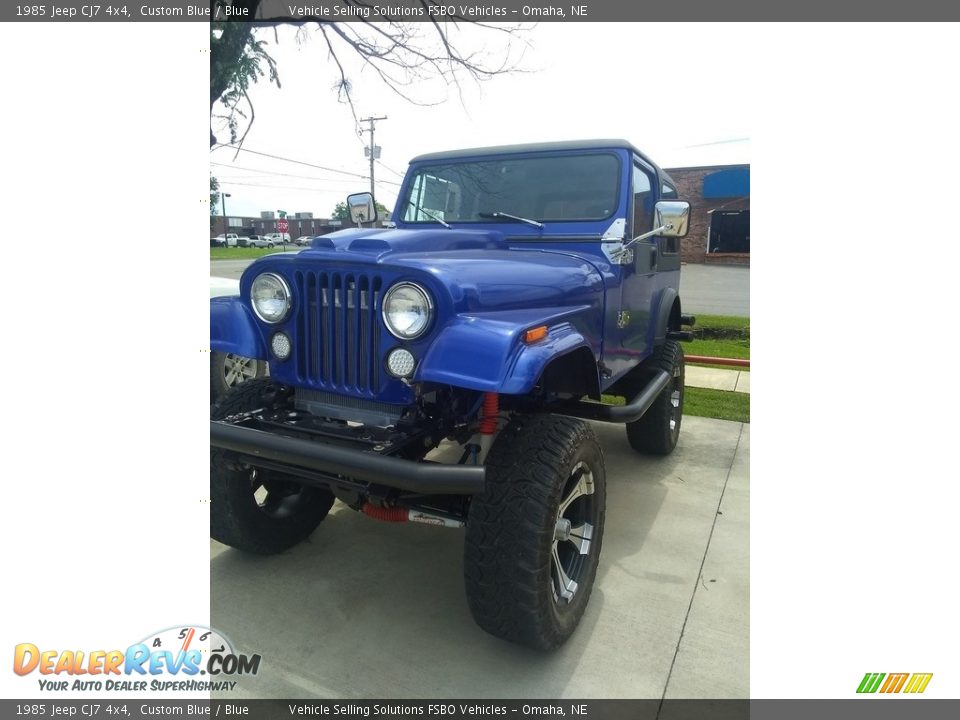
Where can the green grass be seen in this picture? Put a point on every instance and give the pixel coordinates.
(239, 253)
(722, 321)
(716, 404)
(705, 402)
(728, 337)
(719, 348)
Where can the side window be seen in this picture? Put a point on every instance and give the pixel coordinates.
(440, 198)
(668, 192)
(642, 201)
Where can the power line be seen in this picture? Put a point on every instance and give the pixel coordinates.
(298, 162)
(718, 142)
(279, 187)
(251, 176)
(228, 178)
(386, 167)
(292, 175)
(275, 172)
(228, 181)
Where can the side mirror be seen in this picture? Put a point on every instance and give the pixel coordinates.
(362, 208)
(676, 214)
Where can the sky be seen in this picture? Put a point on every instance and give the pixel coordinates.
(575, 81)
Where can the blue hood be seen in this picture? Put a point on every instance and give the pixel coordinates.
(478, 269)
(380, 242)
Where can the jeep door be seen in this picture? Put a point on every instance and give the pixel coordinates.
(654, 267)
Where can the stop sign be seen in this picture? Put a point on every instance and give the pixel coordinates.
(282, 225)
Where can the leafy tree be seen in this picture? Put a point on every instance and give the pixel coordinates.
(214, 195)
(399, 53)
(340, 212)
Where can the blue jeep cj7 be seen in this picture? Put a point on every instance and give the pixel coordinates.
(520, 284)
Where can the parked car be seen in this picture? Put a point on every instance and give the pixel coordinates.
(522, 285)
(229, 369)
(260, 241)
(279, 238)
(303, 240)
(227, 240)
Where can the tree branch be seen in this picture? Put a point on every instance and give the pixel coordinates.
(392, 48)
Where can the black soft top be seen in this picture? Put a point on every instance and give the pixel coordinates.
(539, 147)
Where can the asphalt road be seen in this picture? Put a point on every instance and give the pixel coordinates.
(715, 289)
(366, 609)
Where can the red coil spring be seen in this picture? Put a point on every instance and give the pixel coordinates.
(488, 417)
(394, 514)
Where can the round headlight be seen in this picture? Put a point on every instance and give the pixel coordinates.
(407, 310)
(270, 297)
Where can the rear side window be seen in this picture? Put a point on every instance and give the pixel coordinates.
(642, 200)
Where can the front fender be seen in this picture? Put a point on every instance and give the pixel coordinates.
(485, 351)
(233, 330)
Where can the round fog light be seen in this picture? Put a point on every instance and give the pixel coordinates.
(400, 363)
(281, 346)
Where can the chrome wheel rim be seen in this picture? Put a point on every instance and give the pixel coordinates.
(237, 368)
(573, 534)
(676, 399)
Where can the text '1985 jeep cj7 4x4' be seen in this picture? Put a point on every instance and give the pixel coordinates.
(520, 284)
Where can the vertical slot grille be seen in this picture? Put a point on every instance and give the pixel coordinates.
(337, 324)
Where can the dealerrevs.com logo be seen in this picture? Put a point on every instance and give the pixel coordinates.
(186, 658)
(909, 683)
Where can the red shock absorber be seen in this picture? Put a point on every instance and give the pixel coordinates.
(394, 514)
(488, 416)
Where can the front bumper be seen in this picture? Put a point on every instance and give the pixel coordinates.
(348, 463)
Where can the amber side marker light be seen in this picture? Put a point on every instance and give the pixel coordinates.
(535, 334)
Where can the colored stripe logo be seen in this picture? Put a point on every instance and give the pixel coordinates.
(918, 683)
(894, 682)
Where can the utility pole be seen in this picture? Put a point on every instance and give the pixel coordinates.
(226, 224)
(372, 151)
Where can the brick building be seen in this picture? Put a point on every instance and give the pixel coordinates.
(719, 198)
(298, 224)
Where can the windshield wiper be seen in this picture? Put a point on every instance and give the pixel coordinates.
(428, 214)
(508, 216)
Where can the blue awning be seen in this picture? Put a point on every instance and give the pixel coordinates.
(734, 182)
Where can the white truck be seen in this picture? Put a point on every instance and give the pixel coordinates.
(227, 240)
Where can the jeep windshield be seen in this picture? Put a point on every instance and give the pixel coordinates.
(542, 189)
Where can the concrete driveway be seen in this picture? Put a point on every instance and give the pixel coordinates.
(374, 610)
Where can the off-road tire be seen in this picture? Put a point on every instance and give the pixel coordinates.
(657, 432)
(219, 383)
(237, 518)
(509, 566)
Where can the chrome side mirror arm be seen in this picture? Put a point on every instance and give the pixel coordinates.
(629, 243)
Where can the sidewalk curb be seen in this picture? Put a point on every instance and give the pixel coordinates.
(717, 379)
